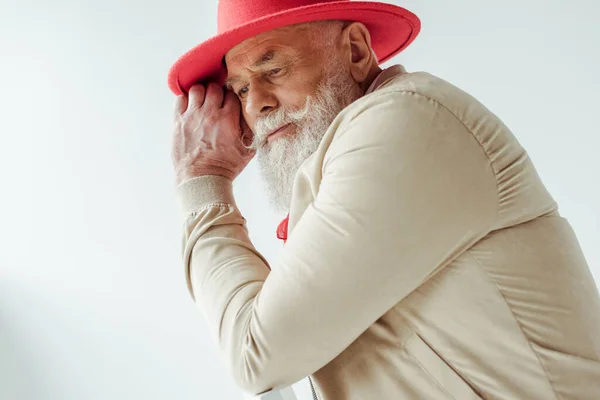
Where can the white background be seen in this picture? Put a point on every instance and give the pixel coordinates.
(93, 303)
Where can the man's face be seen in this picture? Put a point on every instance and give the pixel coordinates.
(274, 70)
(291, 89)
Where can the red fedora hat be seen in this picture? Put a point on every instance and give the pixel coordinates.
(392, 29)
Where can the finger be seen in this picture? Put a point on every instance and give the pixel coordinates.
(181, 103)
(247, 134)
(231, 102)
(197, 96)
(214, 96)
(232, 105)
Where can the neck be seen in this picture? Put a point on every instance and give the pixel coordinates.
(373, 73)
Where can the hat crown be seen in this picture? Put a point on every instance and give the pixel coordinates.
(233, 13)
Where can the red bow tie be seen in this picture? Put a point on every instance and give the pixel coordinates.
(282, 229)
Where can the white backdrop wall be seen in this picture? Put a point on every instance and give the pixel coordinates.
(93, 303)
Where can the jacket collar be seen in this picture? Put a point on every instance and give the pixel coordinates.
(385, 75)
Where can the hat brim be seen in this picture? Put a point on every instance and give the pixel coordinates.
(392, 29)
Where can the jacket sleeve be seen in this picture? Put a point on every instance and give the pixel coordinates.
(406, 188)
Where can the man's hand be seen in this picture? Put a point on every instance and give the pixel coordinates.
(209, 137)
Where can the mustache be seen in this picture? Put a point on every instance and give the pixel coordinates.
(276, 119)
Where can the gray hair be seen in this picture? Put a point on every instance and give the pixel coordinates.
(325, 32)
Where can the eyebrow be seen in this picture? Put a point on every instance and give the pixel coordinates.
(264, 59)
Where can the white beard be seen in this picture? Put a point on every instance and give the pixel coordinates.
(280, 160)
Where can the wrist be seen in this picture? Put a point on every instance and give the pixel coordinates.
(196, 172)
(197, 193)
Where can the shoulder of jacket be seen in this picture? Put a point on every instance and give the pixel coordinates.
(426, 85)
(416, 85)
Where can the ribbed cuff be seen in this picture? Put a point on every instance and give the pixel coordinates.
(199, 192)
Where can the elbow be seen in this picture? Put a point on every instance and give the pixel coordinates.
(255, 373)
(252, 380)
(254, 390)
(256, 363)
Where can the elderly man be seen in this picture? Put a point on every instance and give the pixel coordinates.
(424, 257)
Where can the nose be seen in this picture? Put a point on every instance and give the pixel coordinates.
(259, 100)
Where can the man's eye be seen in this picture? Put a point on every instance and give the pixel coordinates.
(243, 91)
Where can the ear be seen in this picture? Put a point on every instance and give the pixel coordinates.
(357, 49)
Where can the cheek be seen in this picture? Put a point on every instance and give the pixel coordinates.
(299, 87)
(293, 97)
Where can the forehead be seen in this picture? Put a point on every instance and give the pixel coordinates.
(265, 47)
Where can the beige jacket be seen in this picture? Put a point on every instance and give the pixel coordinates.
(425, 260)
